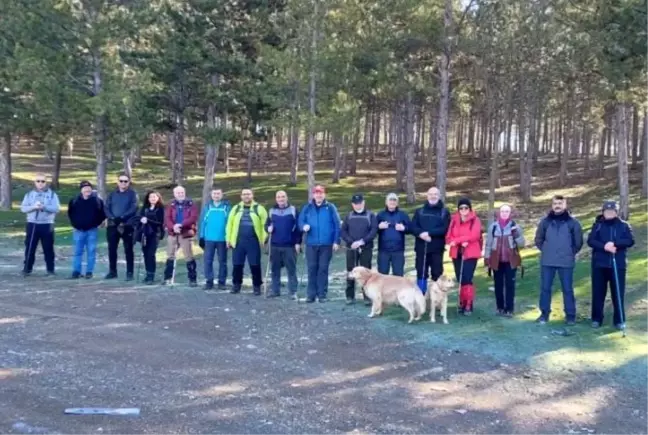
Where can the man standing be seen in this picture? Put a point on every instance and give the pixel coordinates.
(393, 224)
(245, 235)
(212, 237)
(320, 220)
(180, 219)
(40, 205)
(120, 208)
(559, 237)
(358, 231)
(609, 239)
(285, 243)
(429, 225)
(86, 213)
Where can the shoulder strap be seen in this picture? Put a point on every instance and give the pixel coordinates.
(237, 208)
(255, 209)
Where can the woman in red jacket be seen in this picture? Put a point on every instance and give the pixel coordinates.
(464, 237)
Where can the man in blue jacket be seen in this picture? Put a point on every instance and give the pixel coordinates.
(320, 221)
(609, 239)
(393, 224)
(213, 221)
(559, 237)
(429, 225)
(285, 243)
(120, 208)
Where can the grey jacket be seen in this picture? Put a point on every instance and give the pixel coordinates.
(495, 232)
(50, 202)
(559, 238)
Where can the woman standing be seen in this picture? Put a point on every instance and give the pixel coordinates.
(502, 255)
(151, 231)
(464, 238)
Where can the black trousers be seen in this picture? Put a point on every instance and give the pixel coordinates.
(35, 233)
(149, 248)
(504, 278)
(113, 236)
(356, 258)
(433, 265)
(602, 278)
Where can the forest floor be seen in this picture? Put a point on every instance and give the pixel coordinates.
(211, 362)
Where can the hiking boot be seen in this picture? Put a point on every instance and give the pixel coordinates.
(508, 314)
(51, 273)
(499, 312)
(209, 284)
(273, 295)
(150, 278)
(222, 286)
(129, 276)
(25, 273)
(596, 325)
(75, 275)
(542, 319)
(111, 275)
(322, 300)
(235, 289)
(310, 301)
(256, 291)
(294, 297)
(620, 326)
(192, 273)
(350, 301)
(88, 275)
(193, 284)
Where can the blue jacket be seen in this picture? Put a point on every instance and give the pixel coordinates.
(285, 231)
(213, 221)
(614, 230)
(324, 224)
(559, 237)
(390, 240)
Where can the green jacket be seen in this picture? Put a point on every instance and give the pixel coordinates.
(258, 214)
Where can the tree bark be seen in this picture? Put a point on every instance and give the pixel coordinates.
(211, 149)
(525, 188)
(127, 162)
(622, 159)
(337, 158)
(5, 172)
(564, 158)
(444, 101)
(399, 147)
(410, 125)
(356, 144)
(312, 89)
(644, 160)
(178, 153)
(635, 137)
(294, 154)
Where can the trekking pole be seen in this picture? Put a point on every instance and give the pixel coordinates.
(31, 242)
(175, 259)
(141, 259)
(460, 279)
(618, 295)
(265, 279)
(424, 268)
(303, 273)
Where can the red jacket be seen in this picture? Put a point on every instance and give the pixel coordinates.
(467, 231)
(189, 218)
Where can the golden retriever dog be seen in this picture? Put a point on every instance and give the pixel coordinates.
(390, 290)
(437, 293)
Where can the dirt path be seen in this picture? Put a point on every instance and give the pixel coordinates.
(218, 363)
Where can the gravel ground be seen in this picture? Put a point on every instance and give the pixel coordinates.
(197, 362)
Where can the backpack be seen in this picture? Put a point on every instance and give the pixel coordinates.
(517, 249)
(368, 216)
(254, 209)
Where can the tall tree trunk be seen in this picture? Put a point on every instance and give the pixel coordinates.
(525, 185)
(587, 141)
(410, 125)
(366, 139)
(602, 143)
(294, 154)
(5, 172)
(356, 144)
(471, 134)
(279, 138)
(635, 137)
(494, 169)
(622, 158)
(345, 156)
(310, 144)
(564, 158)
(178, 154)
(251, 154)
(337, 158)
(644, 160)
(56, 169)
(444, 101)
(211, 149)
(127, 162)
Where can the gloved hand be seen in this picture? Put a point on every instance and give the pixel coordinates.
(201, 243)
(117, 220)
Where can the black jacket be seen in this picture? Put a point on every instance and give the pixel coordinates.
(435, 220)
(154, 225)
(86, 214)
(616, 231)
(359, 226)
(121, 207)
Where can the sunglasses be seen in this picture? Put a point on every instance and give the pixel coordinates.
(123, 181)
(463, 207)
(40, 181)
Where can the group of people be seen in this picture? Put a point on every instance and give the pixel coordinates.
(245, 228)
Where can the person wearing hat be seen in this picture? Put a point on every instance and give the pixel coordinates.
(320, 220)
(393, 225)
(559, 237)
(86, 214)
(465, 240)
(609, 239)
(358, 231)
(429, 226)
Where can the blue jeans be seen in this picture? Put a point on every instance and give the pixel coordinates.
(395, 259)
(318, 259)
(84, 241)
(566, 276)
(212, 249)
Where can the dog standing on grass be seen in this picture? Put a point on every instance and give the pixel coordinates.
(390, 290)
(438, 295)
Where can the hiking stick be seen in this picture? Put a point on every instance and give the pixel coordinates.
(31, 243)
(265, 279)
(618, 295)
(141, 259)
(460, 280)
(175, 258)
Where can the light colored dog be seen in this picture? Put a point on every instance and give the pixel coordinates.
(390, 290)
(437, 293)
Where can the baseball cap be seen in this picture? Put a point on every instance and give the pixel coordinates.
(357, 198)
(84, 183)
(610, 205)
(392, 196)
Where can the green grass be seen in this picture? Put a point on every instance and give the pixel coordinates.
(513, 340)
